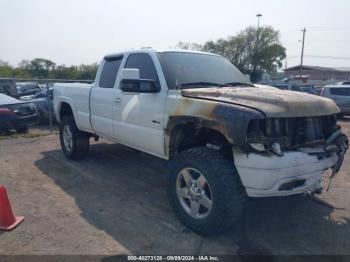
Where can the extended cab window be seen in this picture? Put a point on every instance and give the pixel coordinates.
(144, 63)
(109, 72)
(339, 91)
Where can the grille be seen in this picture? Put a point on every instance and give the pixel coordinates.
(292, 131)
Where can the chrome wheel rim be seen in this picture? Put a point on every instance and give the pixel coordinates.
(194, 193)
(67, 138)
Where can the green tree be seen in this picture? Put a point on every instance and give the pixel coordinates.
(6, 70)
(87, 71)
(40, 67)
(44, 68)
(253, 50)
(189, 45)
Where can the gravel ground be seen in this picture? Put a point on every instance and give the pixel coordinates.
(114, 202)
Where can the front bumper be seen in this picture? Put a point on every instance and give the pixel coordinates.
(266, 175)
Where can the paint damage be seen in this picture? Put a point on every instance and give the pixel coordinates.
(272, 102)
(263, 121)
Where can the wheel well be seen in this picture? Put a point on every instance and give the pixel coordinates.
(65, 110)
(188, 135)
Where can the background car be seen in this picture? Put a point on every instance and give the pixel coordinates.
(298, 88)
(27, 88)
(284, 86)
(344, 83)
(15, 114)
(341, 96)
(8, 87)
(310, 90)
(44, 104)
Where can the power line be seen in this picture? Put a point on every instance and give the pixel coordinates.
(325, 28)
(329, 57)
(323, 57)
(317, 28)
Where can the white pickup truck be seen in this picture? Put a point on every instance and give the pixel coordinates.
(226, 139)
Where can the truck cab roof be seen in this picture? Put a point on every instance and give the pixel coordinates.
(152, 51)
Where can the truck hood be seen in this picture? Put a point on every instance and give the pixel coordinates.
(272, 102)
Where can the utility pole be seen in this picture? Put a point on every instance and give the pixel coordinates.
(257, 31)
(258, 16)
(302, 52)
(255, 59)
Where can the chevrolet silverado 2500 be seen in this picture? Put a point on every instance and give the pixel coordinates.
(226, 139)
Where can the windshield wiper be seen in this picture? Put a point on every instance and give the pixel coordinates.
(204, 84)
(238, 84)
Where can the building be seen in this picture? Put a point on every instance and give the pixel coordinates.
(319, 73)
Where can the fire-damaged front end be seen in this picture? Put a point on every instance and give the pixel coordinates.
(284, 156)
(282, 141)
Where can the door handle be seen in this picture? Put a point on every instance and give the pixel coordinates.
(117, 100)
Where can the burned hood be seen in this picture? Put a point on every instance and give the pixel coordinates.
(272, 102)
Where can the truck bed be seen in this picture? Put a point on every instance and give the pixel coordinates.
(76, 95)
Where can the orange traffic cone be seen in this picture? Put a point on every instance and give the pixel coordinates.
(7, 220)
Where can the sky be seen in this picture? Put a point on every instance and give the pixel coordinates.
(83, 31)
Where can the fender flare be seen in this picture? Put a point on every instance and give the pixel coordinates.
(68, 101)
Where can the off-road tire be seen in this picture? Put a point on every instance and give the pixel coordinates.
(80, 145)
(229, 196)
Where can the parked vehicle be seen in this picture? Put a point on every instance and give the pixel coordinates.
(298, 88)
(344, 83)
(8, 87)
(44, 104)
(15, 114)
(310, 90)
(341, 96)
(42, 94)
(283, 86)
(225, 138)
(27, 88)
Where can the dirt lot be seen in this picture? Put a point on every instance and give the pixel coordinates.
(114, 202)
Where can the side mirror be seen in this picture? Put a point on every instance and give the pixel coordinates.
(130, 73)
(131, 82)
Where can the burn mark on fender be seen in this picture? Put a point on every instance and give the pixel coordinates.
(229, 120)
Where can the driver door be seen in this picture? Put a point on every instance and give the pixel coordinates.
(140, 116)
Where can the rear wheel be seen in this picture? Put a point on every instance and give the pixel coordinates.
(205, 191)
(74, 143)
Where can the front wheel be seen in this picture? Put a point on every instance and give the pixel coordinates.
(205, 191)
(74, 143)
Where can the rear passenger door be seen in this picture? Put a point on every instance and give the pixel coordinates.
(102, 97)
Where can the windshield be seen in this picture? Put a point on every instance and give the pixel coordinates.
(198, 70)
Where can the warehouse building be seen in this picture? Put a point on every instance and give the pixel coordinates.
(319, 72)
